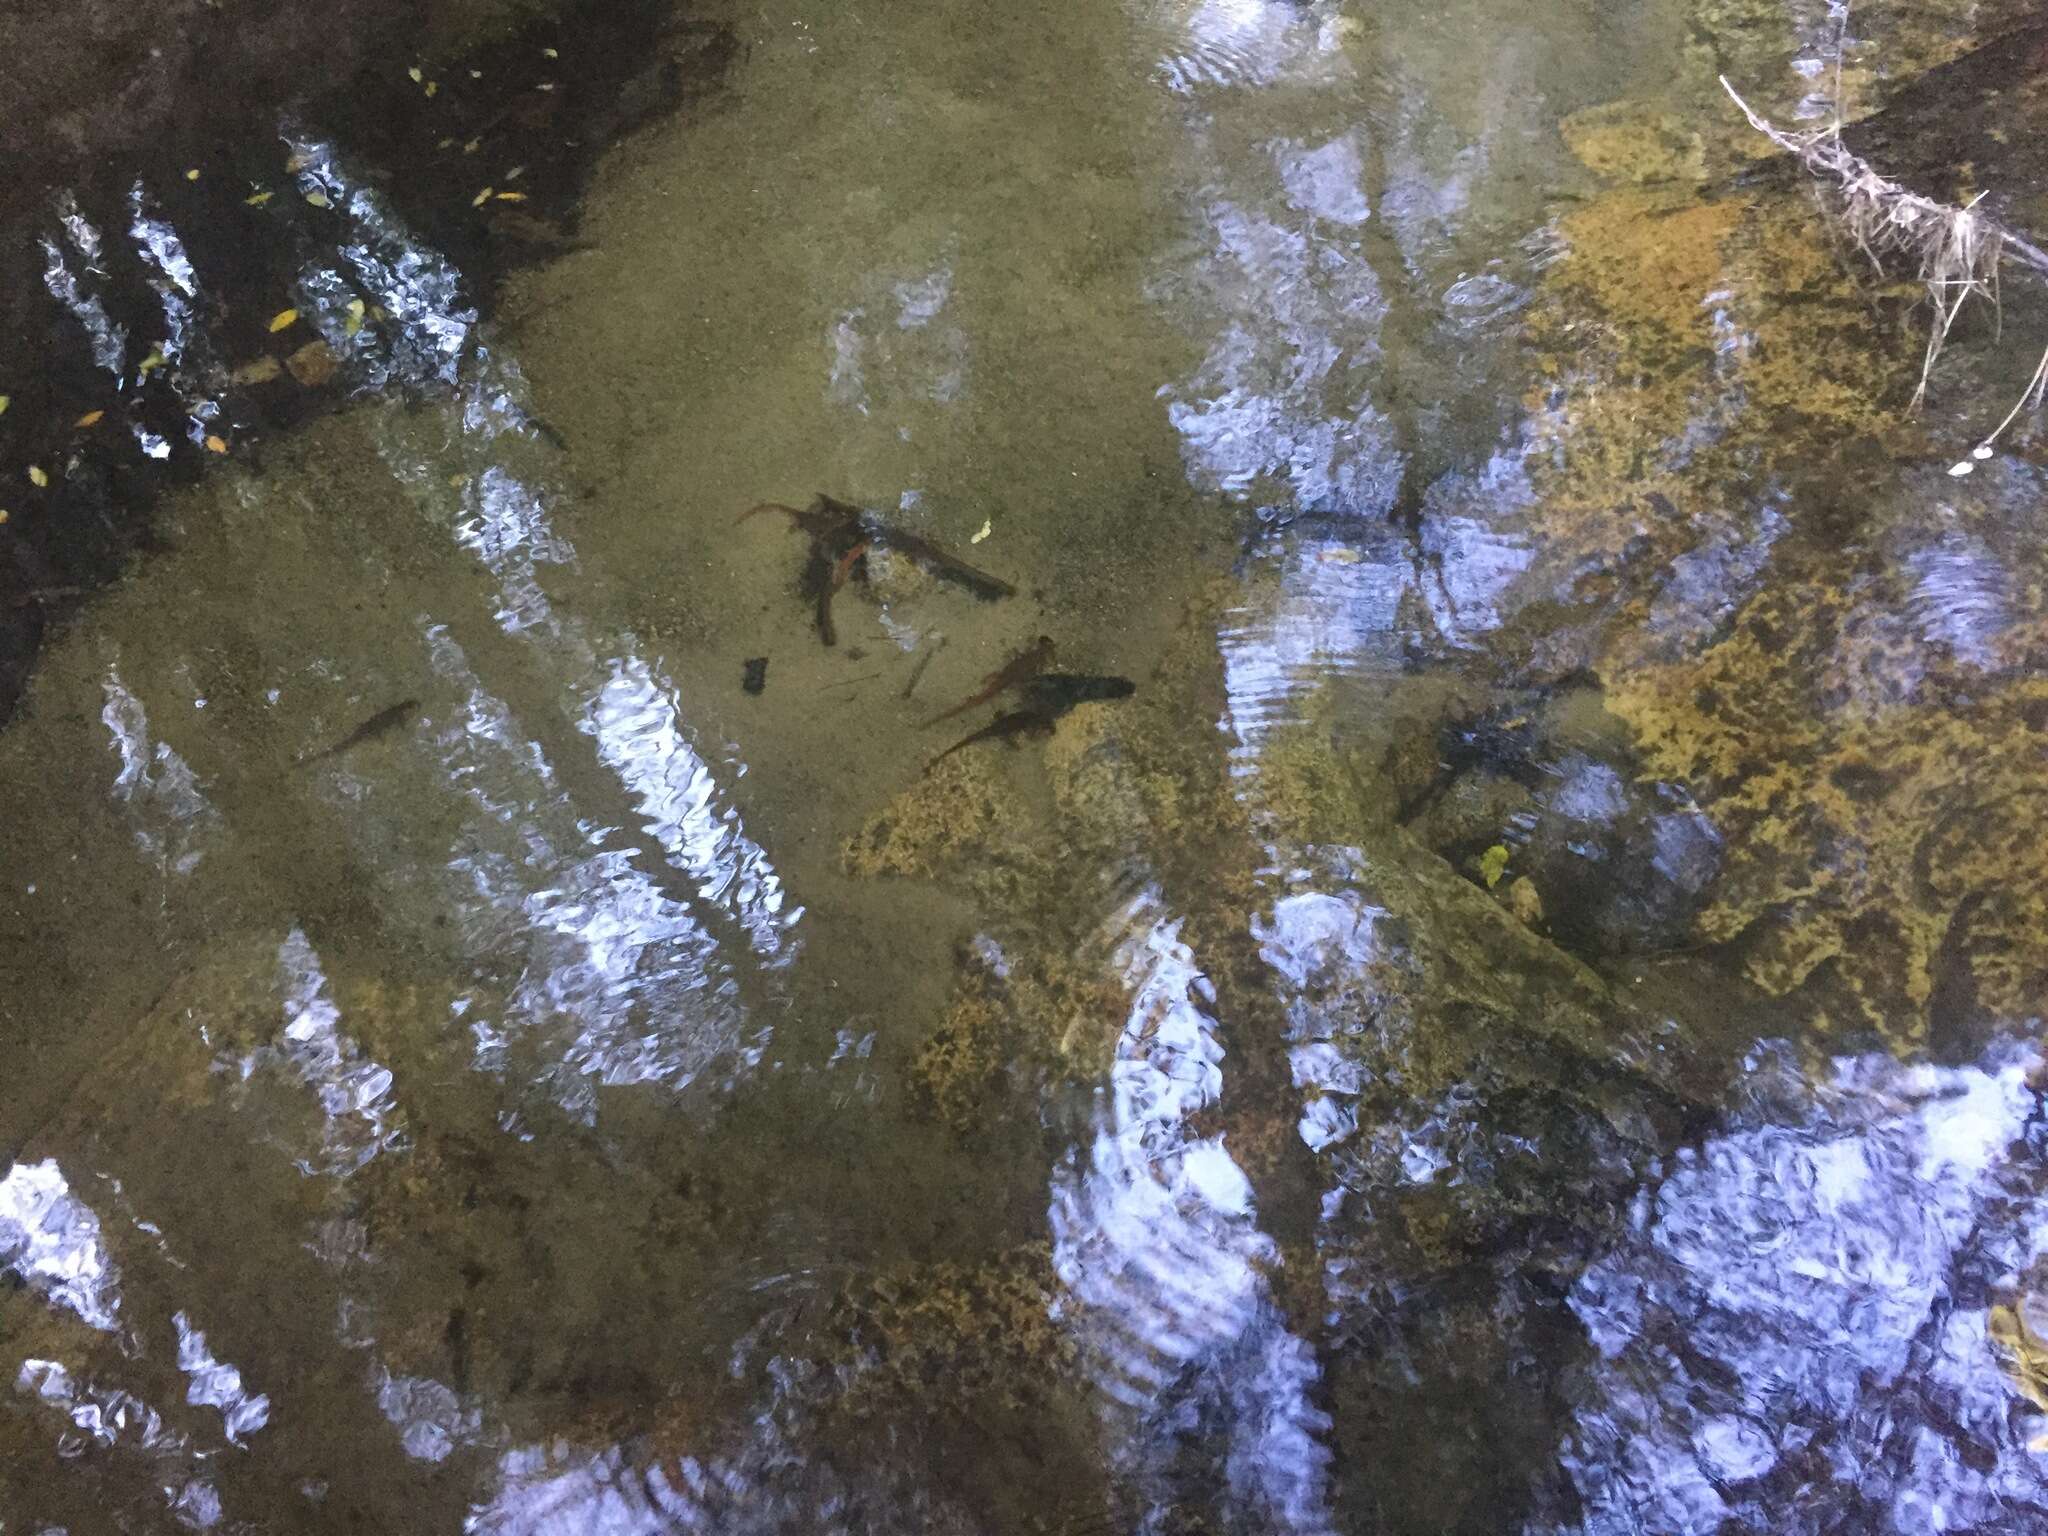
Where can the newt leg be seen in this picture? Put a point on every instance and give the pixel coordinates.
(839, 571)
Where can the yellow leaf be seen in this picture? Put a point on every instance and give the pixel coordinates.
(550, 53)
(987, 527)
(90, 418)
(481, 198)
(317, 199)
(511, 197)
(215, 444)
(260, 198)
(354, 321)
(193, 174)
(433, 86)
(414, 75)
(283, 320)
(3, 514)
(5, 401)
(515, 173)
(36, 475)
(150, 364)
(472, 146)
(447, 143)
(1493, 864)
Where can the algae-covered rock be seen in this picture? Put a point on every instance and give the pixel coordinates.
(955, 810)
(1634, 142)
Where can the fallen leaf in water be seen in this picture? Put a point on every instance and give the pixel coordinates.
(36, 475)
(511, 197)
(313, 364)
(216, 445)
(987, 527)
(3, 514)
(317, 199)
(150, 364)
(258, 199)
(433, 86)
(515, 173)
(482, 197)
(5, 401)
(447, 143)
(1493, 864)
(353, 321)
(414, 74)
(472, 146)
(549, 53)
(258, 370)
(90, 418)
(284, 319)
(193, 174)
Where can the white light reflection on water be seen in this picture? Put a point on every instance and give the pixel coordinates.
(431, 1419)
(629, 708)
(172, 819)
(355, 1093)
(1795, 1338)
(108, 339)
(594, 943)
(216, 1384)
(109, 1419)
(52, 1241)
(1223, 43)
(1157, 1242)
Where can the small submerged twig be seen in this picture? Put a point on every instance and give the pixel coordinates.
(917, 672)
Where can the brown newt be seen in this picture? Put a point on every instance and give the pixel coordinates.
(1055, 693)
(821, 519)
(1026, 664)
(941, 562)
(1019, 722)
(1050, 695)
(841, 533)
(385, 720)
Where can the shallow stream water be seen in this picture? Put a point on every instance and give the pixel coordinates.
(1525, 1018)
